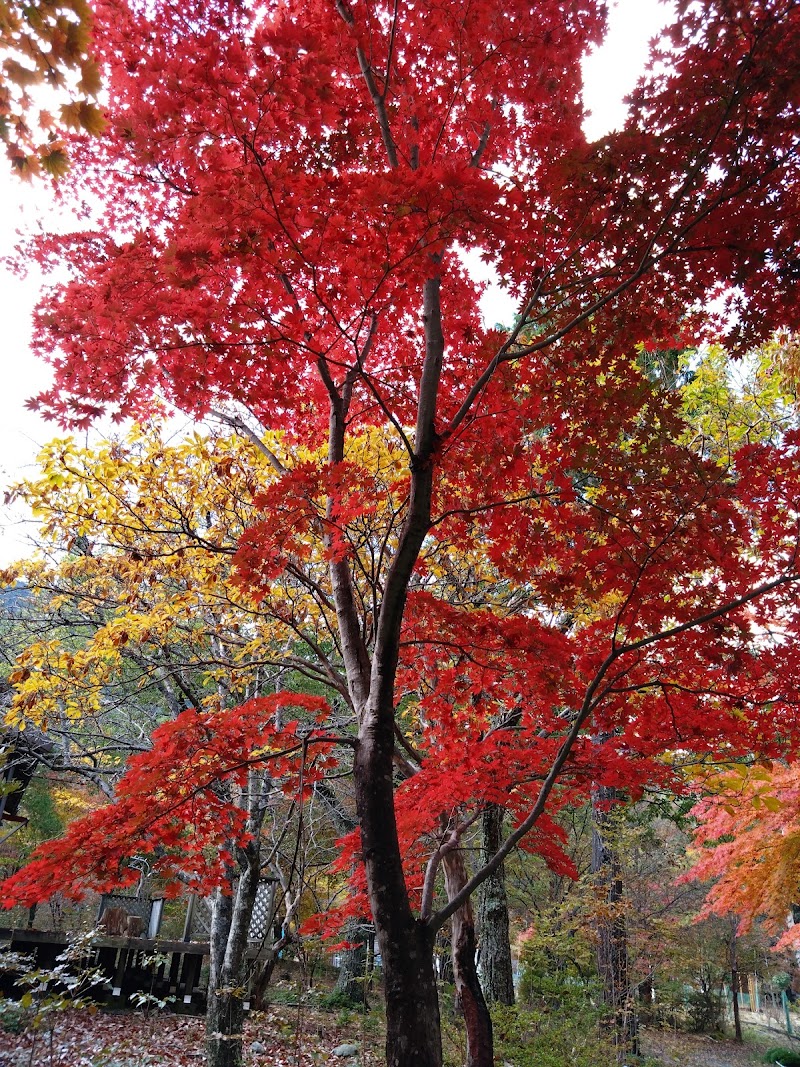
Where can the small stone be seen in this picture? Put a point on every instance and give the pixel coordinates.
(346, 1050)
(257, 1048)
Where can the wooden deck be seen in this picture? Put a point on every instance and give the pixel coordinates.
(165, 968)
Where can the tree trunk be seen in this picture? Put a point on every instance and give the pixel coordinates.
(480, 1048)
(413, 1029)
(224, 1026)
(227, 987)
(223, 1019)
(495, 969)
(260, 984)
(737, 1022)
(612, 935)
(230, 926)
(351, 984)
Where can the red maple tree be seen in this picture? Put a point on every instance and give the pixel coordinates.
(170, 805)
(288, 191)
(748, 847)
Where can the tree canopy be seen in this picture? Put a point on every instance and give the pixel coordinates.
(547, 578)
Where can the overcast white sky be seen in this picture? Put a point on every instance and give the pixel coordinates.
(609, 74)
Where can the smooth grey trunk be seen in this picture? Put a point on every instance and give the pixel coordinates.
(227, 981)
(224, 1012)
(611, 929)
(231, 914)
(495, 969)
(734, 962)
(469, 996)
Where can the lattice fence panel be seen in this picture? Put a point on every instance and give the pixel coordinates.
(141, 906)
(201, 920)
(261, 920)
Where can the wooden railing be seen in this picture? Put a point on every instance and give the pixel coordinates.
(164, 968)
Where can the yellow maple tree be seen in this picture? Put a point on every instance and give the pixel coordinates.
(136, 570)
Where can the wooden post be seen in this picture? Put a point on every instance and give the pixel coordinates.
(785, 1002)
(119, 975)
(174, 968)
(187, 926)
(191, 972)
(156, 912)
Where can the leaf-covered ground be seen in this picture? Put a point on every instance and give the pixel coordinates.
(100, 1039)
(286, 1037)
(699, 1050)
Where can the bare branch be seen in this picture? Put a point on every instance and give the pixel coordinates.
(241, 427)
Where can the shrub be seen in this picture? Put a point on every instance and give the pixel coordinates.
(541, 1037)
(784, 1056)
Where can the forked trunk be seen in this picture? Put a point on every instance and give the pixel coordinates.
(223, 1020)
(413, 1031)
(230, 924)
(478, 1021)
